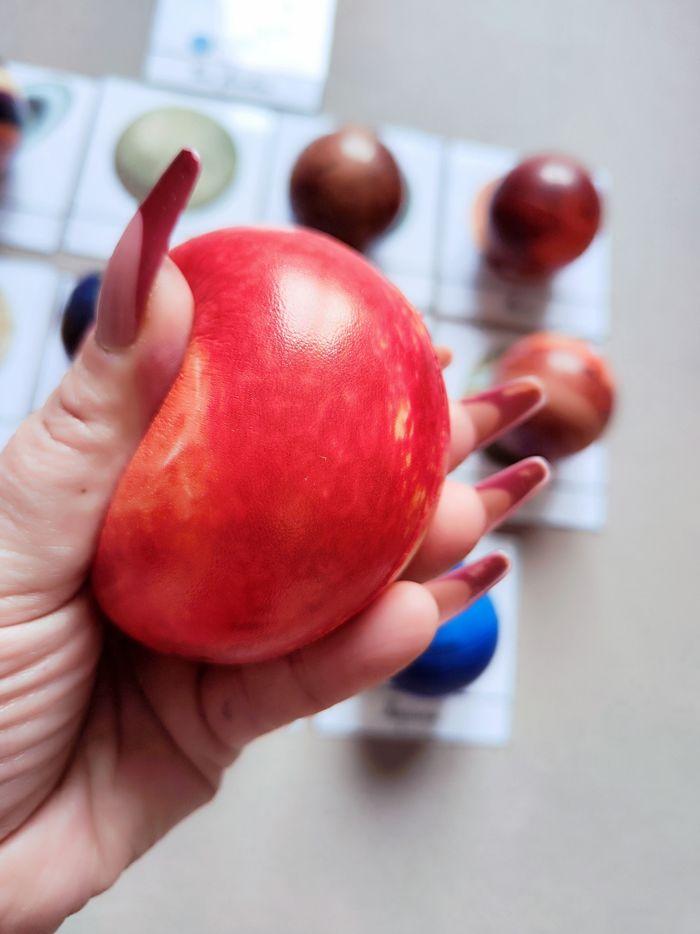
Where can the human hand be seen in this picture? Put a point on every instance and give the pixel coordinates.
(105, 745)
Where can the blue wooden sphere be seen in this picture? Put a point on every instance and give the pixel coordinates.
(80, 312)
(459, 653)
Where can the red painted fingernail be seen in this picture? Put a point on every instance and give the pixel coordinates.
(502, 407)
(507, 490)
(462, 587)
(138, 256)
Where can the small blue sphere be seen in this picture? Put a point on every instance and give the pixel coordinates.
(459, 653)
(80, 312)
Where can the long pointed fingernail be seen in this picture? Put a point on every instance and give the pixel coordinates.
(502, 407)
(505, 491)
(459, 589)
(138, 256)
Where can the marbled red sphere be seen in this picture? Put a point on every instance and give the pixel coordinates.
(580, 395)
(293, 467)
(347, 184)
(543, 214)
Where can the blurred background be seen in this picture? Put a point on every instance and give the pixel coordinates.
(589, 819)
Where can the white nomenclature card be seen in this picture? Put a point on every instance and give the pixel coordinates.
(576, 497)
(27, 299)
(481, 713)
(575, 301)
(272, 51)
(35, 196)
(408, 248)
(103, 206)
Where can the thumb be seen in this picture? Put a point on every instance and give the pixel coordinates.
(58, 472)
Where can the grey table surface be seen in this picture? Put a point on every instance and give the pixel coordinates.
(589, 821)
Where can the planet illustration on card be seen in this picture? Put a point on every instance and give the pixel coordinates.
(201, 45)
(47, 105)
(6, 326)
(150, 143)
(13, 108)
(460, 652)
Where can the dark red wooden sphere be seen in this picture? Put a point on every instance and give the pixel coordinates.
(543, 214)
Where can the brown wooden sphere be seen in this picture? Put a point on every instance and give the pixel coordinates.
(347, 184)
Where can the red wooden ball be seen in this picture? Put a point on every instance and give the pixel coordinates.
(347, 184)
(580, 395)
(543, 214)
(292, 469)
